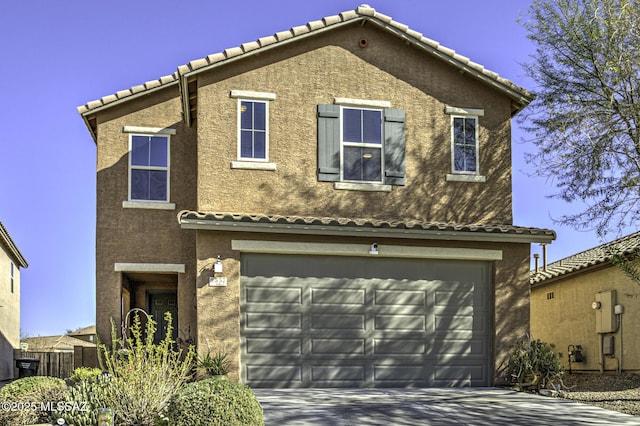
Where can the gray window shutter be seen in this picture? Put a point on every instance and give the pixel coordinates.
(329, 143)
(394, 147)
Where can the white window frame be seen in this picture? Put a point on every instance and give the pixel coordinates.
(465, 113)
(252, 163)
(12, 275)
(344, 144)
(149, 204)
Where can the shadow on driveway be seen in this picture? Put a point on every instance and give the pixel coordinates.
(450, 406)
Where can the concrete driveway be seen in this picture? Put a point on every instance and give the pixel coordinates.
(450, 406)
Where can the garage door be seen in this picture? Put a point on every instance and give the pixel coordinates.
(328, 321)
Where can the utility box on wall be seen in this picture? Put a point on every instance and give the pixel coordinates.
(604, 304)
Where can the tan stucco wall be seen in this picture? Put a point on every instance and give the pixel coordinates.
(134, 235)
(315, 72)
(9, 314)
(568, 318)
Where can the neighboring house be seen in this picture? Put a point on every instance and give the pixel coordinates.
(586, 300)
(64, 343)
(88, 334)
(11, 260)
(352, 177)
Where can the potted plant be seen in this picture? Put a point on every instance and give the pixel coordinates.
(216, 365)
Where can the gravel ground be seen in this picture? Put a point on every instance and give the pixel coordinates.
(613, 391)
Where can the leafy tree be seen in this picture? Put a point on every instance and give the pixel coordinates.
(584, 121)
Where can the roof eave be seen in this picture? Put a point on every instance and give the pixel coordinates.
(6, 241)
(406, 233)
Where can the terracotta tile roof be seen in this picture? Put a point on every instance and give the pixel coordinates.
(363, 12)
(589, 258)
(10, 246)
(362, 226)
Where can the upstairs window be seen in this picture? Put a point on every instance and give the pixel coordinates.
(465, 151)
(149, 168)
(253, 130)
(12, 266)
(361, 145)
(465, 144)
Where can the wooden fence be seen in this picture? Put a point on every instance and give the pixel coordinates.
(60, 364)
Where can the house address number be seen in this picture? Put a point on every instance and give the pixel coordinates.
(218, 281)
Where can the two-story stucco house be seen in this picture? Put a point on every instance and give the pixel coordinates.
(331, 205)
(11, 260)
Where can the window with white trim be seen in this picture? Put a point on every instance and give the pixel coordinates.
(12, 267)
(253, 132)
(464, 144)
(148, 167)
(361, 145)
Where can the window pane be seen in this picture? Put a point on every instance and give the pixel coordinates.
(470, 131)
(371, 164)
(259, 116)
(140, 150)
(139, 184)
(352, 168)
(246, 115)
(362, 164)
(259, 145)
(352, 125)
(372, 126)
(458, 130)
(246, 144)
(158, 155)
(465, 158)
(157, 185)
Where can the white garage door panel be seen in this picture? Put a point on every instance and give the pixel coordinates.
(326, 321)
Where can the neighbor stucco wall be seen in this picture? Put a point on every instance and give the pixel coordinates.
(317, 70)
(561, 314)
(9, 314)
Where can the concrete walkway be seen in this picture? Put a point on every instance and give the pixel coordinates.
(450, 406)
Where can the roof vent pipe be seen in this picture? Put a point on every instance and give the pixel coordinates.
(536, 256)
(544, 257)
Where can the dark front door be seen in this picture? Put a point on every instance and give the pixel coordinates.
(159, 303)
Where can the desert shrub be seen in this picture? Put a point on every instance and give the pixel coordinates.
(215, 402)
(29, 400)
(214, 365)
(143, 375)
(84, 373)
(82, 400)
(534, 365)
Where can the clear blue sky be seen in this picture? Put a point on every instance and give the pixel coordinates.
(56, 55)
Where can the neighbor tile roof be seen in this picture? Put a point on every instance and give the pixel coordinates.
(589, 258)
(407, 229)
(363, 12)
(10, 246)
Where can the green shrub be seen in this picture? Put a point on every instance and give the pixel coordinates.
(216, 365)
(534, 365)
(143, 375)
(30, 399)
(215, 402)
(84, 373)
(82, 401)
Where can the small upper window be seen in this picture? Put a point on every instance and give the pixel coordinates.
(149, 167)
(465, 144)
(12, 276)
(253, 138)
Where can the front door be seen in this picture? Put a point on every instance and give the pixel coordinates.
(159, 303)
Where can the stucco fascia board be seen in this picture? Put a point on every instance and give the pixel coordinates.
(384, 250)
(416, 234)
